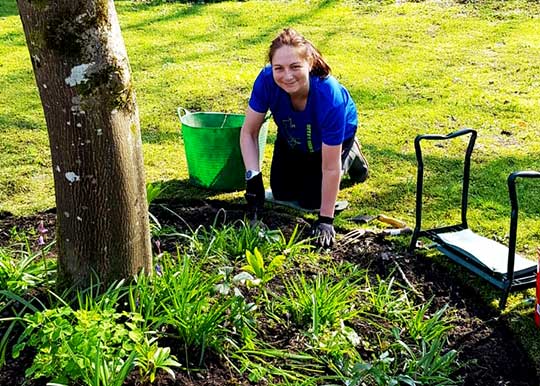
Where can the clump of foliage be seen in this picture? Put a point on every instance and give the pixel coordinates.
(209, 300)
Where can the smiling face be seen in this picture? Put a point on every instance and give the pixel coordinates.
(291, 71)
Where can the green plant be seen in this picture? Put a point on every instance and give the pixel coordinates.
(229, 242)
(154, 190)
(382, 299)
(295, 245)
(377, 372)
(319, 303)
(430, 365)
(265, 363)
(200, 318)
(157, 230)
(338, 340)
(151, 358)
(411, 350)
(424, 327)
(69, 341)
(21, 236)
(106, 373)
(24, 269)
(144, 297)
(256, 266)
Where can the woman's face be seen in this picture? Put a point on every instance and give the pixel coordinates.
(291, 71)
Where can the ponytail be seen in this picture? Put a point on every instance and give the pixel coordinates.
(320, 68)
(289, 37)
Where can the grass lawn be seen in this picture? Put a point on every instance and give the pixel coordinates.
(419, 67)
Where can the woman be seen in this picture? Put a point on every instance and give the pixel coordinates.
(316, 119)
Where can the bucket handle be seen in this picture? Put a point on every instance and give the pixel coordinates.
(181, 110)
(224, 120)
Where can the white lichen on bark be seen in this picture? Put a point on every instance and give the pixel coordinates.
(72, 177)
(78, 74)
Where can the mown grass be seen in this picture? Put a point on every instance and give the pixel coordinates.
(419, 67)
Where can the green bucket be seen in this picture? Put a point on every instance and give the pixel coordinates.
(212, 145)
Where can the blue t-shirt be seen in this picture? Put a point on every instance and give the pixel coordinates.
(329, 116)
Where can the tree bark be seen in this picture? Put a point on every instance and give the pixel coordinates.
(83, 76)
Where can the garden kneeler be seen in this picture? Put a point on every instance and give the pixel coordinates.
(494, 262)
(537, 306)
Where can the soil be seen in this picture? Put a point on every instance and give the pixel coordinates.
(488, 351)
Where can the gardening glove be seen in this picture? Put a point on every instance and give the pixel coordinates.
(323, 231)
(254, 196)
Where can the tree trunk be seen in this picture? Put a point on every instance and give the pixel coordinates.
(82, 72)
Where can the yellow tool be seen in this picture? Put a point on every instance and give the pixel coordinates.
(364, 219)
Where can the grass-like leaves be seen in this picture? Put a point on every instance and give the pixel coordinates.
(217, 298)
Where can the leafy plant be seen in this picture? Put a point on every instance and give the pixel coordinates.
(144, 297)
(422, 361)
(319, 303)
(151, 358)
(200, 318)
(13, 307)
(229, 242)
(295, 245)
(411, 350)
(384, 300)
(21, 236)
(256, 266)
(430, 365)
(265, 363)
(157, 230)
(70, 341)
(154, 190)
(424, 327)
(21, 270)
(377, 372)
(107, 373)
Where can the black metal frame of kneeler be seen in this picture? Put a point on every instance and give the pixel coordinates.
(492, 261)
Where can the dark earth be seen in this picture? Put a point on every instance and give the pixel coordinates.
(489, 353)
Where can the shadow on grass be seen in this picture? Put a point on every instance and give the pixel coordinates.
(21, 123)
(443, 178)
(189, 10)
(8, 8)
(185, 191)
(13, 38)
(232, 23)
(442, 186)
(157, 137)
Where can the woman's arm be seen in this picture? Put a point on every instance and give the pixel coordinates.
(249, 138)
(331, 176)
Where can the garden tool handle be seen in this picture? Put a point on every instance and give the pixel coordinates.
(391, 221)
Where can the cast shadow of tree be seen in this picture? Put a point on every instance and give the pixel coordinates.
(186, 192)
(8, 8)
